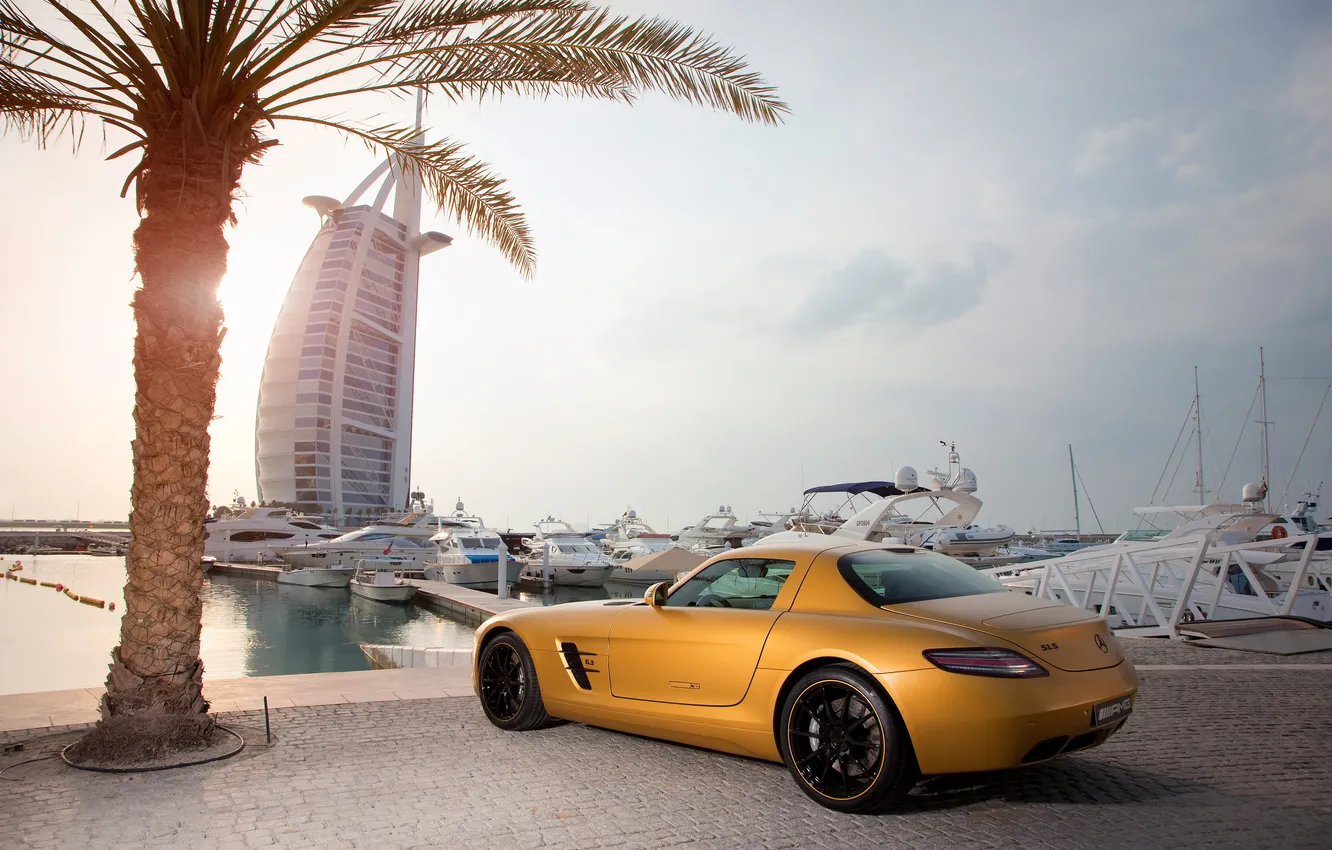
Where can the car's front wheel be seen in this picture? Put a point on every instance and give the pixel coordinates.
(510, 694)
(843, 742)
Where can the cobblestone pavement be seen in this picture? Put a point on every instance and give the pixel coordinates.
(1211, 758)
(1161, 651)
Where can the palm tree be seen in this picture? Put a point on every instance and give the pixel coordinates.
(198, 88)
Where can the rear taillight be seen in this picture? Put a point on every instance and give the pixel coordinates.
(986, 661)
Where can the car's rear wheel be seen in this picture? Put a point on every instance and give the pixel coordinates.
(843, 742)
(510, 694)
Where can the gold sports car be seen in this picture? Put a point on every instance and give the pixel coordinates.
(860, 666)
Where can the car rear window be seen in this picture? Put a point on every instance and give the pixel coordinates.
(897, 576)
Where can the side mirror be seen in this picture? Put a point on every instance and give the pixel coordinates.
(655, 597)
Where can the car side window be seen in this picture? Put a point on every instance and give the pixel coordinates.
(748, 583)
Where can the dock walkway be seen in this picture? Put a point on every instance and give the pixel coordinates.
(464, 604)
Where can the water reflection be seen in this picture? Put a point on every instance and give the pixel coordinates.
(294, 629)
(250, 627)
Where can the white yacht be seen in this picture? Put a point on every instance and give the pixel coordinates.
(631, 537)
(717, 532)
(257, 533)
(1213, 566)
(379, 579)
(407, 538)
(573, 560)
(332, 576)
(467, 554)
(941, 519)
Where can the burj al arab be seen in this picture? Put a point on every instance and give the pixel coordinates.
(333, 429)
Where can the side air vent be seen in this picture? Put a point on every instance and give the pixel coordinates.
(573, 662)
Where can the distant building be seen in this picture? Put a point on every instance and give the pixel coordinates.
(333, 430)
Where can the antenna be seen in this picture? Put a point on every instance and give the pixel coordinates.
(1077, 515)
(1197, 412)
(1262, 392)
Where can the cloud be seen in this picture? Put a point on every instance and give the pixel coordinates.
(1161, 144)
(1107, 146)
(873, 288)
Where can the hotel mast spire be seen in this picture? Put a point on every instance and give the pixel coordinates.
(333, 429)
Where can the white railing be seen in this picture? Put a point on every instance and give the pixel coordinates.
(1150, 588)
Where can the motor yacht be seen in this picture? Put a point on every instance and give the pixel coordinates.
(1212, 566)
(407, 538)
(466, 553)
(717, 532)
(664, 565)
(380, 580)
(631, 537)
(570, 558)
(331, 576)
(940, 519)
(255, 534)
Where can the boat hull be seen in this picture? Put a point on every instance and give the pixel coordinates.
(398, 594)
(484, 575)
(322, 577)
(319, 559)
(644, 576)
(593, 576)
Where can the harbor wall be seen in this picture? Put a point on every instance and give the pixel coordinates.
(393, 657)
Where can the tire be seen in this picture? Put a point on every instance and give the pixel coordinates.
(844, 743)
(509, 691)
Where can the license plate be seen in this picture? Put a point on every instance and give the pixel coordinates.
(1105, 713)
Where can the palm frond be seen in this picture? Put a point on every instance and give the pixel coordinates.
(462, 185)
(222, 67)
(422, 22)
(575, 47)
(37, 110)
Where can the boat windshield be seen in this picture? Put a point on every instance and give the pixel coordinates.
(898, 576)
(577, 548)
(479, 542)
(362, 535)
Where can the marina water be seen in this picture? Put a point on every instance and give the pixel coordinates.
(250, 627)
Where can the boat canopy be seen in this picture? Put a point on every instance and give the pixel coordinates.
(882, 489)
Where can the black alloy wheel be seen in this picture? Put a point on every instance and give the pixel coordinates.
(510, 693)
(843, 742)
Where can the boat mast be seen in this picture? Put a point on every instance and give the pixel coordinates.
(1262, 392)
(1073, 470)
(1197, 414)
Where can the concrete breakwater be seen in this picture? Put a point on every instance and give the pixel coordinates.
(21, 542)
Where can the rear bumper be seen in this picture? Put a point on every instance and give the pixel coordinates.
(960, 723)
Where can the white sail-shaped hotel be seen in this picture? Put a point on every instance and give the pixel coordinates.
(333, 430)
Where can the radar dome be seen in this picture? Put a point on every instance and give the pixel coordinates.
(1253, 492)
(458, 507)
(905, 479)
(966, 481)
(633, 514)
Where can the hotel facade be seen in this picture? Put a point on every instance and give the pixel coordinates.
(333, 428)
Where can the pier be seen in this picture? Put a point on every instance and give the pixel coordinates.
(464, 604)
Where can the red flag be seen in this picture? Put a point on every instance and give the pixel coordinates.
(387, 549)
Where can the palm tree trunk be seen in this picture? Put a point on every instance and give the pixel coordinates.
(185, 197)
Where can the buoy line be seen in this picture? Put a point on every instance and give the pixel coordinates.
(91, 601)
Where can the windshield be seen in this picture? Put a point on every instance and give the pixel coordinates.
(898, 576)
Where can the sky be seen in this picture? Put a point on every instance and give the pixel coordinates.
(1016, 227)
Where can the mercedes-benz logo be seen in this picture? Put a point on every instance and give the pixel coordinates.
(1101, 645)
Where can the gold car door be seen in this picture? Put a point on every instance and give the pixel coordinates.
(702, 646)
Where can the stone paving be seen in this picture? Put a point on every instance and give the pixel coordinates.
(1212, 757)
